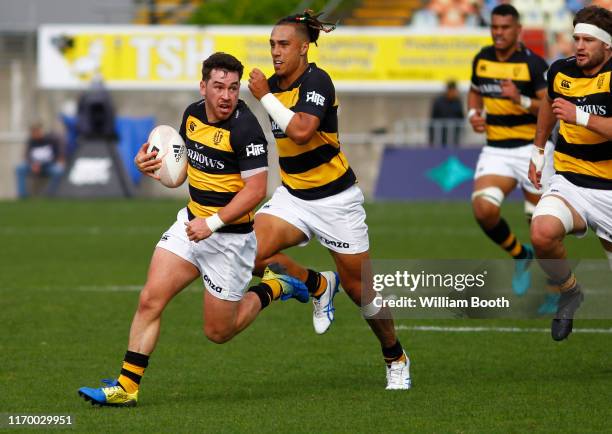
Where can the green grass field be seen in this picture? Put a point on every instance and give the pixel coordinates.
(69, 279)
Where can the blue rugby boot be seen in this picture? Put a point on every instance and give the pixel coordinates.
(111, 395)
(291, 287)
(521, 279)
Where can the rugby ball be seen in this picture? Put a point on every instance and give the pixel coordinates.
(172, 152)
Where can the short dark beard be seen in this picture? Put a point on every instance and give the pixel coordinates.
(594, 62)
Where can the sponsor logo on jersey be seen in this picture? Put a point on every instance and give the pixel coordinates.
(211, 285)
(192, 126)
(594, 109)
(565, 84)
(315, 98)
(255, 150)
(276, 130)
(165, 237)
(490, 89)
(340, 244)
(204, 161)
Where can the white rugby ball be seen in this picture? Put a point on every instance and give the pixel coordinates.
(172, 152)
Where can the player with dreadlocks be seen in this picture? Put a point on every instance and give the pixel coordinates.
(319, 195)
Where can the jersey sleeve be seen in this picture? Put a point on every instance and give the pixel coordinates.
(249, 142)
(183, 127)
(474, 79)
(538, 73)
(317, 94)
(550, 78)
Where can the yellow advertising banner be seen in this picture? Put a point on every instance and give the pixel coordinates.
(152, 57)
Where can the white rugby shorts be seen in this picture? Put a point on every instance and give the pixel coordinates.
(337, 221)
(594, 206)
(514, 163)
(225, 260)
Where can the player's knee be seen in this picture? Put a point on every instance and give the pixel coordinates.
(485, 212)
(552, 219)
(544, 235)
(149, 302)
(486, 204)
(217, 334)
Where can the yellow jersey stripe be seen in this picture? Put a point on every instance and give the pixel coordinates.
(581, 87)
(231, 182)
(287, 148)
(579, 135)
(502, 106)
(213, 137)
(503, 70)
(567, 163)
(524, 132)
(318, 176)
(206, 211)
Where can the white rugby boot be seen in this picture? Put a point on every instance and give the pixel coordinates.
(323, 308)
(398, 375)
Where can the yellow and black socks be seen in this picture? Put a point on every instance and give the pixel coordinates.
(133, 368)
(394, 353)
(566, 284)
(316, 283)
(501, 235)
(267, 291)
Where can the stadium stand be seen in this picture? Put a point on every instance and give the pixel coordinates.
(382, 12)
(165, 11)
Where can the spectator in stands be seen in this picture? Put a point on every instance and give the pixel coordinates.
(451, 13)
(562, 47)
(447, 118)
(476, 16)
(43, 158)
(426, 18)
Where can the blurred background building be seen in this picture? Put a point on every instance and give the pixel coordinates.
(389, 60)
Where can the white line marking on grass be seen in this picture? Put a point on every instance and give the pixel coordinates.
(493, 329)
(110, 288)
(121, 288)
(80, 230)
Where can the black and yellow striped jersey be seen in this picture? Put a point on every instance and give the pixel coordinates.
(508, 124)
(217, 154)
(318, 168)
(581, 155)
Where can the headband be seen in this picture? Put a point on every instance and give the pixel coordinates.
(594, 31)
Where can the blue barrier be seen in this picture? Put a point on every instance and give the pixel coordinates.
(132, 133)
(427, 174)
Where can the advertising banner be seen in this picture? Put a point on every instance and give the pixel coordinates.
(170, 57)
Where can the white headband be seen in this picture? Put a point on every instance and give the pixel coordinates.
(594, 31)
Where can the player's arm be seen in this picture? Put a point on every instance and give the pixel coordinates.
(475, 111)
(253, 192)
(568, 112)
(298, 126)
(545, 125)
(510, 91)
(601, 125)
